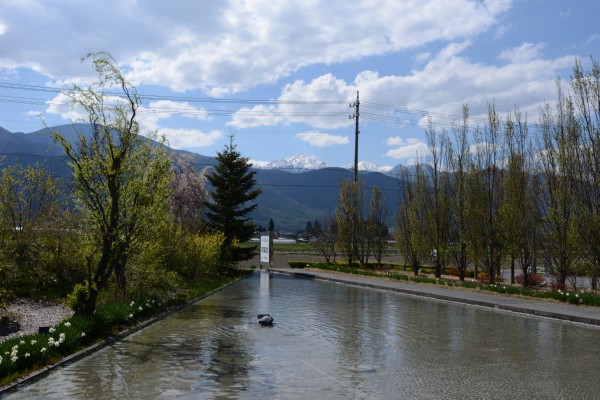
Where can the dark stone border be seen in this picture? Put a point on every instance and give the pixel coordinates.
(42, 372)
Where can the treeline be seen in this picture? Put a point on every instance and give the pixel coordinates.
(486, 196)
(131, 224)
(510, 193)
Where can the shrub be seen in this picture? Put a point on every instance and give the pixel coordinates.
(535, 280)
(298, 264)
(77, 299)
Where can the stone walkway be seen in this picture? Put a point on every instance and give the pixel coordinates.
(561, 311)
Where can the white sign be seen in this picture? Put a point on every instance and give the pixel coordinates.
(264, 249)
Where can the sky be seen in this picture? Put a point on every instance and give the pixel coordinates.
(281, 76)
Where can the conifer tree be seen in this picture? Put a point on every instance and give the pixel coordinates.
(233, 183)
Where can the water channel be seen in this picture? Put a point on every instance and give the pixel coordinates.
(332, 341)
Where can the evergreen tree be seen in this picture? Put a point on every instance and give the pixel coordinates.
(233, 184)
(271, 225)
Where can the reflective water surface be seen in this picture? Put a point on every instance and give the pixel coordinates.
(337, 342)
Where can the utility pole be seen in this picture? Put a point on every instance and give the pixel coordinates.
(355, 105)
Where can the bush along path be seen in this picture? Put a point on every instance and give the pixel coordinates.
(572, 297)
(29, 357)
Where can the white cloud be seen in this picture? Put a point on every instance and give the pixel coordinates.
(320, 139)
(2, 28)
(225, 47)
(163, 109)
(190, 138)
(525, 52)
(321, 103)
(149, 119)
(61, 105)
(450, 80)
(260, 115)
(407, 149)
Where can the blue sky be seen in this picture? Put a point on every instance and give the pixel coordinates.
(280, 75)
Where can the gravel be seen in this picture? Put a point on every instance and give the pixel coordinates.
(30, 315)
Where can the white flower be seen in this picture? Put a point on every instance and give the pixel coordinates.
(67, 324)
(140, 308)
(33, 341)
(130, 316)
(0, 359)
(132, 303)
(22, 342)
(14, 359)
(27, 355)
(82, 334)
(43, 350)
(51, 330)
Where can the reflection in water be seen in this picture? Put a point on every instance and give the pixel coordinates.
(334, 341)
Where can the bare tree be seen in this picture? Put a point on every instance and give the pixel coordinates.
(460, 161)
(377, 227)
(520, 207)
(411, 217)
(437, 201)
(585, 88)
(486, 196)
(349, 216)
(327, 238)
(559, 141)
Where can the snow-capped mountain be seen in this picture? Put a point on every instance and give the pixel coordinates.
(299, 163)
(367, 166)
(306, 162)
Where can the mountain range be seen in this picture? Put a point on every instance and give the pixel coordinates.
(295, 190)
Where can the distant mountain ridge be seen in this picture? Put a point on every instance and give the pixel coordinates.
(295, 190)
(298, 163)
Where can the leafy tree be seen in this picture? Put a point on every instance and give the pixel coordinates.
(121, 179)
(28, 206)
(317, 227)
(233, 181)
(271, 225)
(309, 229)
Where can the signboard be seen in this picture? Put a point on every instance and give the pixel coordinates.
(265, 250)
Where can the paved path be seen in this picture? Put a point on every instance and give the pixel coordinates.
(555, 310)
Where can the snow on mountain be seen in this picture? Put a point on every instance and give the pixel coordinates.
(367, 166)
(305, 162)
(300, 162)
